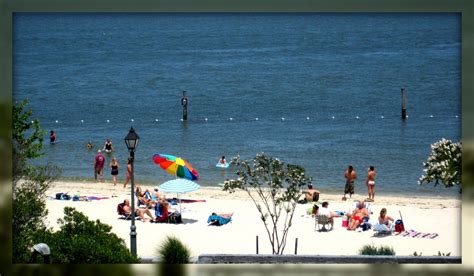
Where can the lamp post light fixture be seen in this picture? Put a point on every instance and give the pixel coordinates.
(131, 140)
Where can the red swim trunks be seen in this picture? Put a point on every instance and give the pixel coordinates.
(357, 218)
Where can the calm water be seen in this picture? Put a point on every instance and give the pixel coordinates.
(119, 67)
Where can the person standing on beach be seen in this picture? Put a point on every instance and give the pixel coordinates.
(114, 169)
(370, 181)
(99, 162)
(350, 176)
(129, 173)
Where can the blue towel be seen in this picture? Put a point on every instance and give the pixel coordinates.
(219, 219)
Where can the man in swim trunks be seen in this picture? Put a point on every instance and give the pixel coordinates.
(358, 216)
(371, 182)
(350, 176)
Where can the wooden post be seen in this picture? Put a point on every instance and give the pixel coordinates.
(404, 105)
(256, 241)
(296, 246)
(184, 103)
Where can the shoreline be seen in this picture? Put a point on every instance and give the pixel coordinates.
(430, 195)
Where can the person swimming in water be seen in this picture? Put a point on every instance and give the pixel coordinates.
(108, 146)
(222, 160)
(52, 137)
(89, 145)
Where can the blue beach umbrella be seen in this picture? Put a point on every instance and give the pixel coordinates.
(179, 186)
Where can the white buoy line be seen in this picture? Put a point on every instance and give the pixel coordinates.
(282, 119)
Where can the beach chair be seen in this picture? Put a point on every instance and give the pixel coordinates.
(383, 229)
(122, 213)
(323, 220)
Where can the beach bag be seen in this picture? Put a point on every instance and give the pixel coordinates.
(399, 227)
(366, 226)
(62, 196)
(175, 217)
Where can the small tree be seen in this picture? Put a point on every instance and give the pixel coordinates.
(444, 164)
(30, 183)
(274, 187)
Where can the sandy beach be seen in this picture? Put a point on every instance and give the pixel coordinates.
(423, 214)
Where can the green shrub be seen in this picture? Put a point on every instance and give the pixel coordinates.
(81, 241)
(373, 250)
(173, 251)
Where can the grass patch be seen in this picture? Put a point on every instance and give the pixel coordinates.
(373, 250)
(173, 251)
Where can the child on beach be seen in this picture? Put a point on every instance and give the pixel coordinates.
(114, 169)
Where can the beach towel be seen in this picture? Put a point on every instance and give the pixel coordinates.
(415, 234)
(217, 220)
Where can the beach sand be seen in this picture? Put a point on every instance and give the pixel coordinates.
(423, 214)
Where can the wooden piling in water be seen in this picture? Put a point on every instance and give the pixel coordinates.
(184, 103)
(404, 104)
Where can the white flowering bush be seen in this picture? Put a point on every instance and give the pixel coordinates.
(444, 164)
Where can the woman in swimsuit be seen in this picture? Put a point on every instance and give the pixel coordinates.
(371, 182)
(108, 146)
(384, 219)
(114, 169)
(129, 173)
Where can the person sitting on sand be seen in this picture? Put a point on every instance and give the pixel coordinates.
(313, 210)
(127, 210)
(311, 194)
(358, 216)
(384, 219)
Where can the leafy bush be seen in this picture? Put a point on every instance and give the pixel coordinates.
(172, 251)
(81, 241)
(373, 250)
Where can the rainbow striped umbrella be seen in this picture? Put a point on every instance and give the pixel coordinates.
(176, 166)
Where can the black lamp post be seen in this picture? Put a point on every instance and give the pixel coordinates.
(131, 140)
